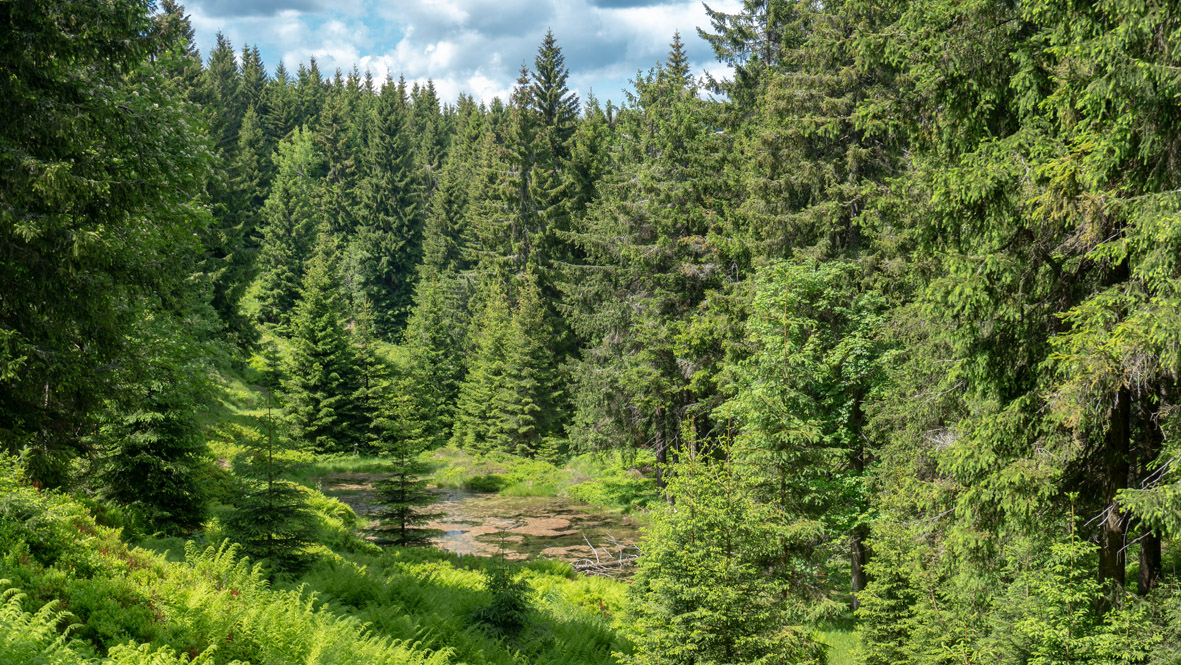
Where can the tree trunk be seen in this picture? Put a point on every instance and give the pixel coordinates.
(859, 553)
(1150, 543)
(661, 459)
(1150, 563)
(859, 556)
(1112, 530)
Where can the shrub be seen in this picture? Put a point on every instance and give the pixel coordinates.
(510, 608)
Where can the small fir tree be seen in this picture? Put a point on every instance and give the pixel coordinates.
(401, 439)
(702, 594)
(151, 466)
(270, 519)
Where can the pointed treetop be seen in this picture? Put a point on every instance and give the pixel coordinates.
(551, 97)
(677, 64)
(521, 90)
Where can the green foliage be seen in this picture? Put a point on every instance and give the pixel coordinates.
(800, 405)
(476, 427)
(322, 374)
(404, 493)
(511, 609)
(288, 231)
(100, 214)
(488, 483)
(702, 593)
(270, 518)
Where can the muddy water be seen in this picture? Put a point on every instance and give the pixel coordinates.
(485, 524)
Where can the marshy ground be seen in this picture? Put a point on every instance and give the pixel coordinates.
(516, 527)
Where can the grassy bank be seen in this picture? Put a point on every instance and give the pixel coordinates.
(609, 480)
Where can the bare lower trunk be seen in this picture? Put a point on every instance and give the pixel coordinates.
(1113, 528)
(859, 556)
(859, 553)
(1150, 563)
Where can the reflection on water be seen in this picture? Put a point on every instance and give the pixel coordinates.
(484, 524)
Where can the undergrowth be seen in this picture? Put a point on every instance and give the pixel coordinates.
(75, 592)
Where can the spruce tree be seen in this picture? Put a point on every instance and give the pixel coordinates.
(389, 213)
(529, 403)
(310, 93)
(321, 367)
(702, 593)
(289, 215)
(401, 496)
(280, 92)
(478, 427)
(434, 343)
(270, 518)
(102, 170)
(803, 442)
(653, 260)
(154, 448)
(337, 140)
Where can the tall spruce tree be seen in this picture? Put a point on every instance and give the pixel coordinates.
(321, 366)
(478, 427)
(800, 404)
(529, 404)
(652, 262)
(101, 207)
(389, 236)
(435, 342)
(288, 232)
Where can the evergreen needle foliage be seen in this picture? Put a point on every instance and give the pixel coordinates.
(270, 517)
(404, 493)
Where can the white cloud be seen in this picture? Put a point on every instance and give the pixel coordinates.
(475, 46)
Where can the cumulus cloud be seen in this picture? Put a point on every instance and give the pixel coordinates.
(473, 46)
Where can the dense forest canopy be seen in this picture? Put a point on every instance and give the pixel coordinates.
(895, 309)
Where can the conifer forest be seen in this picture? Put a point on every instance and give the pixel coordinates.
(866, 352)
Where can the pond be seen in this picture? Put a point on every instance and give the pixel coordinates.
(487, 524)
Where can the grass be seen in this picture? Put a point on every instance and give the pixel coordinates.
(840, 634)
(610, 481)
(178, 601)
(842, 645)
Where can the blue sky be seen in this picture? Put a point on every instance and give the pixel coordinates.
(475, 46)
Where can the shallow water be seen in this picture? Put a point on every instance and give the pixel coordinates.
(486, 524)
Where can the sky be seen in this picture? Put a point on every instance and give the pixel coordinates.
(473, 46)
